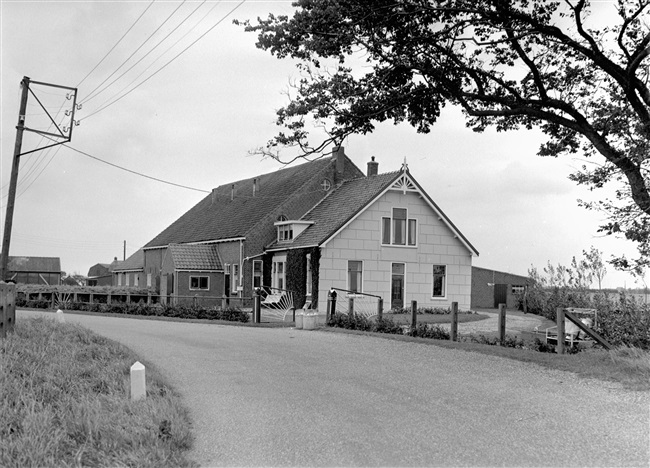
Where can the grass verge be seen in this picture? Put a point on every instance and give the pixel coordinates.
(65, 402)
(627, 366)
(435, 318)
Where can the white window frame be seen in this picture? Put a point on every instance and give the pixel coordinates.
(127, 278)
(392, 228)
(119, 279)
(444, 282)
(136, 279)
(279, 279)
(234, 278)
(518, 288)
(285, 233)
(148, 280)
(261, 273)
(360, 273)
(199, 277)
(309, 278)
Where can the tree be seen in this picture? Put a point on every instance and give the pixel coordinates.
(593, 261)
(509, 64)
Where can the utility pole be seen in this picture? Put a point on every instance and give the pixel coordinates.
(61, 136)
(124, 254)
(11, 200)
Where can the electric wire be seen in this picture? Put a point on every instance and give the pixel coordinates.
(147, 54)
(160, 56)
(169, 62)
(135, 172)
(93, 93)
(116, 44)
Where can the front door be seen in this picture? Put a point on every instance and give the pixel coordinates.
(397, 286)
(500, 294)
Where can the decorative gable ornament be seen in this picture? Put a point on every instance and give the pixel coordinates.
(404, 184)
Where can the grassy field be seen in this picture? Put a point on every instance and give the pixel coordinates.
(65, 402)
(627, 366)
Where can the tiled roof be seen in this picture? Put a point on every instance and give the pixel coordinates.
(339, 207)
(195, 257)
(218, 217)
(35, 264)
(134, 262)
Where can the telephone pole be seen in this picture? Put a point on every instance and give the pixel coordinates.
(61, 136)
(11, 200)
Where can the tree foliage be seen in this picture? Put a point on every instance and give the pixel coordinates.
(509, 64)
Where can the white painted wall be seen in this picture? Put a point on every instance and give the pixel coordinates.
(436, 245)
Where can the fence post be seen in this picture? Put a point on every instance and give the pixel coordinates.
(502, 323)
(331, 300)
(560, 330)
(257, 306)
(414, 315)
(380, 307)
(351, 307)
(453, 333)
(7, 308)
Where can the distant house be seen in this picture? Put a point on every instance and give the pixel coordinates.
(312, 227)
(491, 288)
(35, 270)
(101, 274)
(130, 272)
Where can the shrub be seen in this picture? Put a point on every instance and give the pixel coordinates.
(424, 330)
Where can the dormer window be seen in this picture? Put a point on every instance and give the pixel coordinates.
(285, 233)
(289, 230)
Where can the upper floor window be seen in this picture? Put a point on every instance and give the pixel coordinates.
(399, 229)
(285, 232)
(518, 289)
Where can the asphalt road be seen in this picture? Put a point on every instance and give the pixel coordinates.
(286, 397)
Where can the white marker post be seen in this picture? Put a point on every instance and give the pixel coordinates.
(59, 316)
(138, 382)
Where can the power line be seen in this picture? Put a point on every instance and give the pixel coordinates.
(117, 43)
(135, 172)
(150, 51)
(170, 61)
(94, 94)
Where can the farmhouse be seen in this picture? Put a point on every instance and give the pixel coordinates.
(316, 226)
(129, 272)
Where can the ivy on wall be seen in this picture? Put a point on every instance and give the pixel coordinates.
(296, 275)
(315, 269)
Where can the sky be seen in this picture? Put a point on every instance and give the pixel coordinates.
(198, 105)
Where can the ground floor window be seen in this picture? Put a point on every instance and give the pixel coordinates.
(518, 289)
(200, 282)
(279, 267)
(439, 280)
(309, 277)
(355, 276)
(257, 274)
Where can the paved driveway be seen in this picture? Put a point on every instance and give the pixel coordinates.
(286, 397)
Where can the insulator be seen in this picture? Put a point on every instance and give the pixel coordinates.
(68, 96)
(65, 129)
(79, 106)
(67, 112)
(77, 122)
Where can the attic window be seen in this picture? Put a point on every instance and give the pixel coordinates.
(285, 232)
(282, 218)
(326, 185)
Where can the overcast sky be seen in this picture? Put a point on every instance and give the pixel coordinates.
(195, 121)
